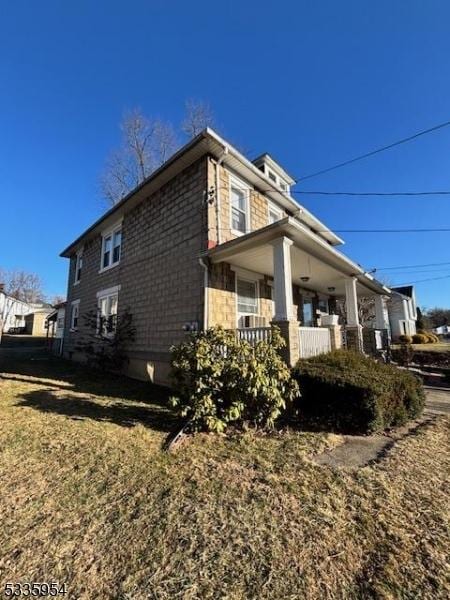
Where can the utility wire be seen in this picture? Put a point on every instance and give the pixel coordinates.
(330, 193)
(419, 281)
(412, 266)
(372, 152)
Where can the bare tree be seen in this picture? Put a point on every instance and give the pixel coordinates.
(57, 299)
(22, 285)
(146, 145)
(198, 116)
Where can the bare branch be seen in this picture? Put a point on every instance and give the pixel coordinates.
(198, 117)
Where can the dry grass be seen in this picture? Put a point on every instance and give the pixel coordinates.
(88, 498)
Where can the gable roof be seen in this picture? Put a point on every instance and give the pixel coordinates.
(208, 142)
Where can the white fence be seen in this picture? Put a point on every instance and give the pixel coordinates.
(255, 334)
(314, 341)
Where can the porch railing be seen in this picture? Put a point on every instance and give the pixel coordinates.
(314, 341)
(255, 334)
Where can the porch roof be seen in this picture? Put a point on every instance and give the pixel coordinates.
(311, 256)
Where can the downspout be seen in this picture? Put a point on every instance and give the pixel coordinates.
(204, 265)
(218, 165)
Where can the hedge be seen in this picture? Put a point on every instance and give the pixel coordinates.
(347, 392)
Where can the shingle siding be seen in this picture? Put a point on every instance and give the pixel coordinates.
(161, 281)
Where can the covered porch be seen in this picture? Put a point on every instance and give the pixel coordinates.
(288, 276)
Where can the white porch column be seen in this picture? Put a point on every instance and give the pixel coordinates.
(380, 312)
(282, 276)
(351, 301)
(354, 331)
(284, 317)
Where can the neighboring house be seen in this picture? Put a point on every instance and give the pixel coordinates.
(12, 312)
(55, 327)
(402, 310)
(36, 322)
(211, 238)
(442, 330)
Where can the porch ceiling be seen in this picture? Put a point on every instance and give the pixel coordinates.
(325, 267)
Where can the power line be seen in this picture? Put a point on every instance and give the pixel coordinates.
(423, 230)
(412, 266)
(420, 281)
(339, 193)
(321, 193)
(442, 229)
(372, 152)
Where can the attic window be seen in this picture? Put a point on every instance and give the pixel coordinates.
(272, 176)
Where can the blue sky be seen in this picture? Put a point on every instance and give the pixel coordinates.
(313, 83)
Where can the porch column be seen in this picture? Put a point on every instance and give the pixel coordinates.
(381, 321)
(282, 276)
(353, 328)
(284, 313)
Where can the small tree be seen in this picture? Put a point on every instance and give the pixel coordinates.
(104, 340)
(198, 117)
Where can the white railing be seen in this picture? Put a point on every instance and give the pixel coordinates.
(252, 335)
(314, 341)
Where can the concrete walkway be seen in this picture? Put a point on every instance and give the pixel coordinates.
(358, 451)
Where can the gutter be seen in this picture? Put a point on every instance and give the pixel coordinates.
(204, 266)
(218, 165)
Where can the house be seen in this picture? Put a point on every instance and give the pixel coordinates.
(12, 313)
(55, 328)
(211, 238)
(442, 330)
(402, 310)
(36, 321)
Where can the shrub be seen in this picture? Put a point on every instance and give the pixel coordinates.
(220, 379)
(419, 338)
(404, 355)
(348, 392)
(104, 342)
(405, 339)
(430, 336)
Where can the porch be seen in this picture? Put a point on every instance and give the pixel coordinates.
(287, 276)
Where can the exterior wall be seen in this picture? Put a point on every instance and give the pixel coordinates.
(160, 278)
(400, 309)
(222, 298)
(35, 323)
(258, 207)
(12, 312)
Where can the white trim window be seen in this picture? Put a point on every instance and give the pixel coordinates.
(239, 207)
(78, 267)
(275, 213)
(107, 301)
(74, 315)
(247, 297)
(111, 247)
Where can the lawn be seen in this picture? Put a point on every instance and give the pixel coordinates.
(89, 498)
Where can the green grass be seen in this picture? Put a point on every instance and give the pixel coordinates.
(89, 498)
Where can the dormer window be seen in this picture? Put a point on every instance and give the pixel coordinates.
(274, 172)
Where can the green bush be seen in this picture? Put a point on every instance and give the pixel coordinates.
(404, 355)
(348, 392)
(419, 338)
(405, 339)
(219, 379)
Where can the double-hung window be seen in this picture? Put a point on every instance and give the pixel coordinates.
(107, 311)
(275, 213)
(111, 247)
(239, 207)
(78, 267)
(74, 315)
(247, 299)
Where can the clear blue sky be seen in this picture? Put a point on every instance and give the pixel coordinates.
(313, 83)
